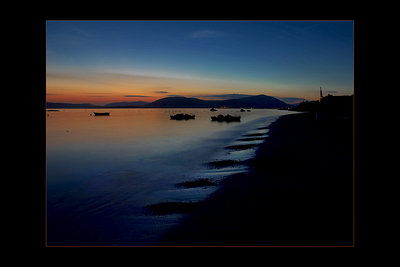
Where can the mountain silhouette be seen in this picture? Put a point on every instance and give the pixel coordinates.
(133, 104)
(259, 101)
(69, 105)
(179, 102)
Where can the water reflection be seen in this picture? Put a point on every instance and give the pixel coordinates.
(105, 169)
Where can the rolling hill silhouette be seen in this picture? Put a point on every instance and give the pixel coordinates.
(126, 104)
(259, 101)
(69, 105)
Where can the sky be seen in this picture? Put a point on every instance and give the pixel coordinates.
(101, 62)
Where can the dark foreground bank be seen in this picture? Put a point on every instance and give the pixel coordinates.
(299, 192)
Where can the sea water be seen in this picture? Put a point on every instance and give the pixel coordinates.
(102, 171)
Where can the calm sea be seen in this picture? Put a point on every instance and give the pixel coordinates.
(103, 171)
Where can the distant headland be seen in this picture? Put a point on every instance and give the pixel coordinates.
(259, 101)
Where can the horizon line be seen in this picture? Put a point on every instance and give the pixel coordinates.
(216, 97)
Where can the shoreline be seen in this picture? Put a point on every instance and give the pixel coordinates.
(298, 192)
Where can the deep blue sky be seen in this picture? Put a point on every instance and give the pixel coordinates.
(278, 58)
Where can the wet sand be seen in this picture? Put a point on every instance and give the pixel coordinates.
(298, 192)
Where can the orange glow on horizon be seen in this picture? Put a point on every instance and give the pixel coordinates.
(103, 88)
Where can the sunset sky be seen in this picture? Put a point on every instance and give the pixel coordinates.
(119, 61)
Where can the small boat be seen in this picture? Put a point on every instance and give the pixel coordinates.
(181, 116)
(101, 113)
(227, 118)
(213, 109)
(242, 110)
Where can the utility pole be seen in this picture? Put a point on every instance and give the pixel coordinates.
(320, 93)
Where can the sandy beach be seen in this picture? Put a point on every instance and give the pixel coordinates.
(298, 192)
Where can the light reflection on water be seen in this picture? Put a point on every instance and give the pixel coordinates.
(101, 171)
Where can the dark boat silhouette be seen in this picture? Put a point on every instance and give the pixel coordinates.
(213, 109)
(242, 110)
(181, 116)
(101, 113)
(227, 118)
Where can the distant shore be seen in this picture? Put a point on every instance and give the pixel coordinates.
(298, 192)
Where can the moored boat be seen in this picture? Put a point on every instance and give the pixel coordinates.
(101, 113)
(181, 116)
(227, 118)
